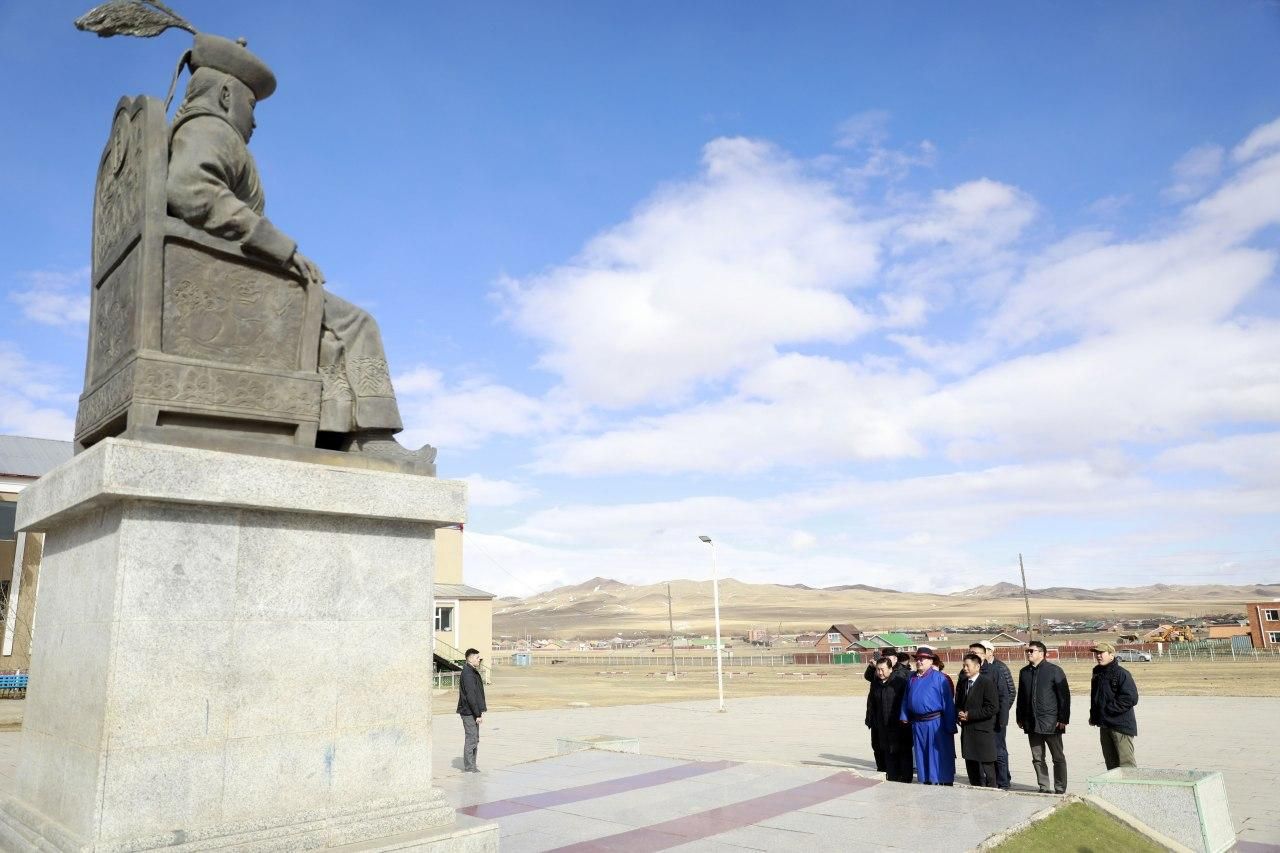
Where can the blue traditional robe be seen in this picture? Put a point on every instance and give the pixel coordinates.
(933, 739)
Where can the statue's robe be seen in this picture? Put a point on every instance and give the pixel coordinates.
(214, 186)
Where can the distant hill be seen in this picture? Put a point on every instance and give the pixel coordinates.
(1154, 592)
(603, 607)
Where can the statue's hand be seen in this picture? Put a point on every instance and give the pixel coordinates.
(306, 269)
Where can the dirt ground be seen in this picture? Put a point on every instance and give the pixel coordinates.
(544, 686)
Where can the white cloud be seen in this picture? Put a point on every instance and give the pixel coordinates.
(53, 297)
(864, 135)
(1094, 341)
(34, 402)
(1252, 459)
(707, 278)
(1195, 171)
(1263, 138)
(486, 492)
(981, 214)
(869, 128)
(791, 411)
(471, 411)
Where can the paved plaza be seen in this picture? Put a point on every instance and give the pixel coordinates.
(792, 773)
(826, 735)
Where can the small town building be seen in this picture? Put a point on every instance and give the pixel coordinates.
(1264, 624)
(1226, 632)
(837, 638)
(1005, 639)
(885, 640)
(463, 614)
(22, 462)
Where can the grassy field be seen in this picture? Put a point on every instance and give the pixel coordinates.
(544, 686)
(1078, 828)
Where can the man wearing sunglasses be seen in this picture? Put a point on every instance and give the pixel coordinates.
(1043, 711)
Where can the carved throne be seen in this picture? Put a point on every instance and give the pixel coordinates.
(187, 333)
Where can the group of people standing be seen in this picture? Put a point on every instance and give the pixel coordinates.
(914, 716)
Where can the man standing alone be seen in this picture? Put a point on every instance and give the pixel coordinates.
(1044, 709)
(998, 671)
(471, 707)
(1112, 695)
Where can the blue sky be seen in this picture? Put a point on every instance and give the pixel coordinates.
(871, 294)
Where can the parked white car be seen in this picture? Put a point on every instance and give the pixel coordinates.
(1133, 655)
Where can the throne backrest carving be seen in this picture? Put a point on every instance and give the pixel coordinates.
(129, 194)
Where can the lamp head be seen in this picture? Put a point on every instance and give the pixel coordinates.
(706, 539)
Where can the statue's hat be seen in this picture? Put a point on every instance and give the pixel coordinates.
(232, 57)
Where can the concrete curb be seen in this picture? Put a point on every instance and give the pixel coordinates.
(1001, 837)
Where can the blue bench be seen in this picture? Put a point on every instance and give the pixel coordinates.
(13, 681)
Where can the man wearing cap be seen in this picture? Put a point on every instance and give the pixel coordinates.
(998, 671)
(930, 708)
(1043, 712)
(1112, 695)
(213, 185)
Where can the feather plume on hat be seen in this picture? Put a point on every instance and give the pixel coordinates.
(148, 18)
(142, 18)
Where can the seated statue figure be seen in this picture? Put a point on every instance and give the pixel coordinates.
(213, 185)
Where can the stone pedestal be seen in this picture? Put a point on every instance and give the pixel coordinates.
(1189, 806)
(231, 653)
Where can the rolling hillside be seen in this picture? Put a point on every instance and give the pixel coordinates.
(602, 607)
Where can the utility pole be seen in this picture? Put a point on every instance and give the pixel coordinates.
(1026, 599)
(671, 632)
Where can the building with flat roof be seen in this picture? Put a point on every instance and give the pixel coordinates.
(1264, 624)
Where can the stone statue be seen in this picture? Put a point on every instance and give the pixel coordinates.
(213, 185)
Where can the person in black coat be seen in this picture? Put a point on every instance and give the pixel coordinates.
(1112, 695)
(471, 708)
(998, 670)
(977, 707)
(870, 672)
(890, 739)
(1043, 712)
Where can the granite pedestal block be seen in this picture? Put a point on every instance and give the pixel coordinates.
(231, 652)
(1189, 806)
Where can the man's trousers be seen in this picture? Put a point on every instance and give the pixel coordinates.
(982, 774)
(1117, 748)
(470, 741)
(1002, 760)
(1053, 743)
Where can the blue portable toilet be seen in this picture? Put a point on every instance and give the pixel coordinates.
(521, 659)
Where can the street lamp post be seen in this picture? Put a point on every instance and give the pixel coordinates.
(715, 597)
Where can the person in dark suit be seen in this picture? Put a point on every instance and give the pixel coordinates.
(977, 706)
(471, 708)
(890, 738)
(1043, 709)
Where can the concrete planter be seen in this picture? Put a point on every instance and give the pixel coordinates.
(1189, 806)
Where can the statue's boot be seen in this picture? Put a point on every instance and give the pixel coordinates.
(378, 442)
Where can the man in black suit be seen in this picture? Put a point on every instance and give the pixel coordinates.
(471, 707)
(977, 706)
(890, 738)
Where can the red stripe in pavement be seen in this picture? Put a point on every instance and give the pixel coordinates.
(548, 799)
(673, 833)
